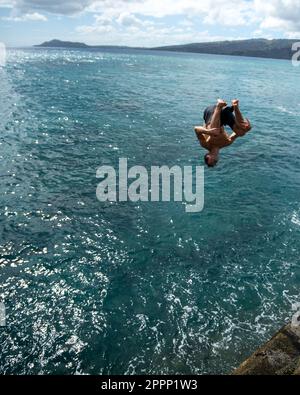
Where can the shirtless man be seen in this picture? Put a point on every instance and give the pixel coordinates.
(213, 136)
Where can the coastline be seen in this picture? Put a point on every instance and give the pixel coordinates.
(279, 356)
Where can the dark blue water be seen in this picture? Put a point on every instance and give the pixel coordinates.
(100, 288)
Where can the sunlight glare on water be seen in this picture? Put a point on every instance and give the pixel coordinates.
(120, 288)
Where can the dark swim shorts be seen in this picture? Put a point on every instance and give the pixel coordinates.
(227, 116)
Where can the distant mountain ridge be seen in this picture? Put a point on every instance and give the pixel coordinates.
(70, 44)
(62, 44)
(261, 48)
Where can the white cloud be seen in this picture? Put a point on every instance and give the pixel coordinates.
(102, 20)
(60, 7)
(148, 38)
(139, 18)
(6, 4)
(282, 15)
(270, 14)
(94, 29)
(215, 11)
(141, 21)
(132, 31)
(35, 16)
(128, 20)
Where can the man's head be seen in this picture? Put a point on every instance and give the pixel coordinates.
(211, 159)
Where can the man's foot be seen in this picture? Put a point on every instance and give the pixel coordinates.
(221, 103)
(235, 103)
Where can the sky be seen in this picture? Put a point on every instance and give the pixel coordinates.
(146, 22)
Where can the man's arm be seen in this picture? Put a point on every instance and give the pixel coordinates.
(209, 132)
(233, 137)
(242, 128)
(238, 133)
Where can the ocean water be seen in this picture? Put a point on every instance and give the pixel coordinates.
(143, 288)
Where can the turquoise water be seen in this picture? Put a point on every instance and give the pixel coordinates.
(139, 288)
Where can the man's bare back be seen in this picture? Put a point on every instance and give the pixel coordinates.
(220, 141)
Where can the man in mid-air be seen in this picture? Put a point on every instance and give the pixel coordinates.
(213, 137)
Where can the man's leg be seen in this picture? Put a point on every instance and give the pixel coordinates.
(238, 115)
(242, 125)
(216, 118)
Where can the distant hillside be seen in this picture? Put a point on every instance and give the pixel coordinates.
(261, 48)
(69, 44)
(62, 44)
